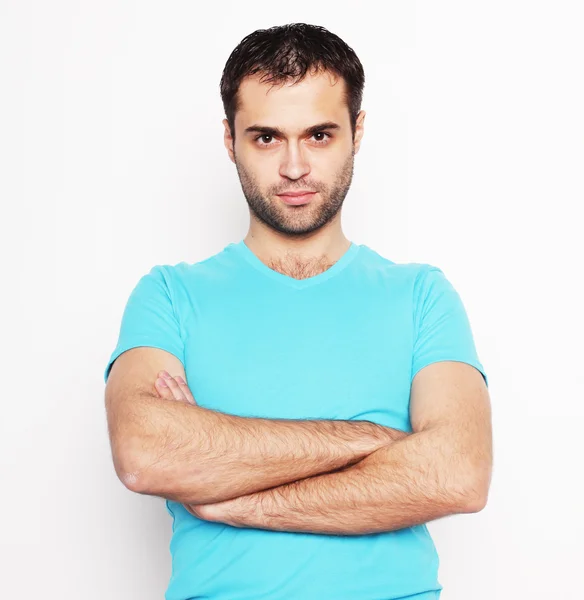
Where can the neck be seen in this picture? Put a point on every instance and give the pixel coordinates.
(298, 256)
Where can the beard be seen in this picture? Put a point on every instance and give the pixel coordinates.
(297, 220)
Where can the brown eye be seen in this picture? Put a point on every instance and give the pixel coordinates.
(324, 140)
(261, 139)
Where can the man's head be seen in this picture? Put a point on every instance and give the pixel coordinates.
(277, 86)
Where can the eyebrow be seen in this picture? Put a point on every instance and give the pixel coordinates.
(280, 133)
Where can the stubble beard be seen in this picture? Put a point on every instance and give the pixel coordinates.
(297, 220)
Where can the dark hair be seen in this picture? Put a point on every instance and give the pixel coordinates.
(290, 52)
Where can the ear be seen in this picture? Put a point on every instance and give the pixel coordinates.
(359, 130)
(228, 140)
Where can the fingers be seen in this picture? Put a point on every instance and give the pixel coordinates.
(173, 388)
(162, 388)
(170, 387)
(201, 511)
(185, 390)
(192, 510)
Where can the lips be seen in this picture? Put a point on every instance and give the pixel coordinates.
(295, 198)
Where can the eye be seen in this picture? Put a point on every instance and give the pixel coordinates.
(319, 142)
(325, 140)
(263, 136)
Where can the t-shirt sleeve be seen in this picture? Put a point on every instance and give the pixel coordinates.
(149, 318)
(441, 324)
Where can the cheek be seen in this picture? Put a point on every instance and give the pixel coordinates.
(259, 173)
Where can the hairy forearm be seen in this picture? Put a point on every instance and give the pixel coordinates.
(194, 455)
(418, 479)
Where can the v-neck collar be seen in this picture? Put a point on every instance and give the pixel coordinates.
(243, 250)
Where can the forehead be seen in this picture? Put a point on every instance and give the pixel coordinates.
(290, 106)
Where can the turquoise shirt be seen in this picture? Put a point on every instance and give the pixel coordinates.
(343, 344)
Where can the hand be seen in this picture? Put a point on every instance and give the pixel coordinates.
(226, 511)
(173, 388)
(208, 512)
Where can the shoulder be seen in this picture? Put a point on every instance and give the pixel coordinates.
(186, 272)
(414, 274)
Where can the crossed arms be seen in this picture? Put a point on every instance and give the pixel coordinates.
(320, 476)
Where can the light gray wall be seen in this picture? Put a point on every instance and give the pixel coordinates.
(112, 161)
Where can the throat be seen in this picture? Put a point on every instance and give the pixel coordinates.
(301, 268)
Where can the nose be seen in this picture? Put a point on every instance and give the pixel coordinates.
(294, 164)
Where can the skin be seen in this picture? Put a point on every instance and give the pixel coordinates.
(443, 468)
(176, 389)
(299, 241)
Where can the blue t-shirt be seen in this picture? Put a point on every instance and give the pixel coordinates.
(343, 344)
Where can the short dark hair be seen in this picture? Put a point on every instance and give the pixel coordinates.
(290, 52)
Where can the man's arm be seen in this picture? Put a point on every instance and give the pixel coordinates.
(443, 468)
(187, 453)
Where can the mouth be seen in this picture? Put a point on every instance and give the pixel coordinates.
(297, 199)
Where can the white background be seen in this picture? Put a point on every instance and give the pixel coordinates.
(112, 160)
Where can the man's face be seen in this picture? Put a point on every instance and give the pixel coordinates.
(271, 162)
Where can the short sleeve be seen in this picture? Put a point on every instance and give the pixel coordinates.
(149, 318)
(441, 324)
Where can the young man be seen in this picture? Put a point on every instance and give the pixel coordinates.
(304, 404)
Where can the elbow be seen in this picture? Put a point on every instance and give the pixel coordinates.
(476, 493)
(475, 503)
(143, 474)
(132, 475)
(155, 474)
(143, 477)
(131, 480)
(130, 465)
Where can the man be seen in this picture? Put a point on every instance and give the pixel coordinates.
(304, 404)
